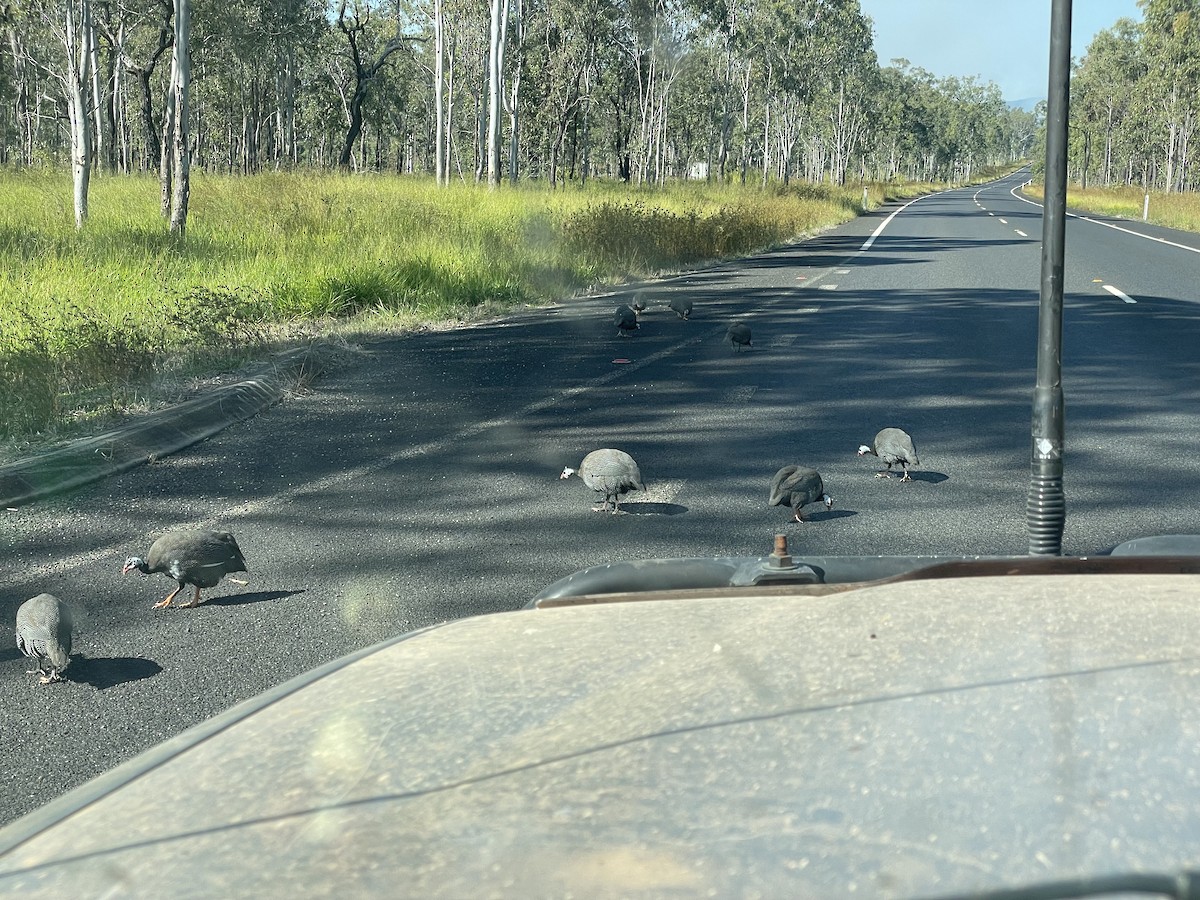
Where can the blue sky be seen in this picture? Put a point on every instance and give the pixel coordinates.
(1005, 41)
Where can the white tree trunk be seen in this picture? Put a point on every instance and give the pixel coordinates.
(495, 71)
(183, 80)
(77, 39)
(439, 80)
(167, 146)
(510, 101)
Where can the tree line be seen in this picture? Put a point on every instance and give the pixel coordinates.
(552, 90)
(1135, 101)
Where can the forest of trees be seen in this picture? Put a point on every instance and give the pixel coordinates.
(555, 90)
(1135, 101)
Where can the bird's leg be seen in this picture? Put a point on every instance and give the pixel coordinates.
(171, 596)
(195, 601)
(906, 477)
(798, 516)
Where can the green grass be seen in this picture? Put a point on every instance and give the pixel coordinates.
(1180, 211)
(90, 319)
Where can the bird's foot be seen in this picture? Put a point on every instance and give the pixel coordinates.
(906, 477)
(195, 601)
(164, 603)
(50, 679)
(883, 474)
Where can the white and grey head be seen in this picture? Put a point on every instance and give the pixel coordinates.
(135, 562)
(827, 500)
(863, 450)
(567, 473)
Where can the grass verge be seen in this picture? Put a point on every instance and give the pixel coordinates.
(1181, 211)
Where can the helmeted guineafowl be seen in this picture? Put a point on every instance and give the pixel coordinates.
(797, 487)
(682, 307)
(196, 556)
(739, 335)
(44, 634)
(626, 320)
(892, 445)
(610, 473)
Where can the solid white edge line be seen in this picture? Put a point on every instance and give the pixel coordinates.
(1118, 293)
(884, 224)
(1020, 232)
(1147, 237)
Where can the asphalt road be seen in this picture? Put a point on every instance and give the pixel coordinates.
(421, 483)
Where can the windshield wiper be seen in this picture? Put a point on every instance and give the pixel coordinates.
(1182, 886)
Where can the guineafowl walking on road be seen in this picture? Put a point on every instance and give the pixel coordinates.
(611, 474)
(892, 445)
(198, 557)
(681, 306)
(739, 335)
(44, 635)
(626, 320)
(797, 487)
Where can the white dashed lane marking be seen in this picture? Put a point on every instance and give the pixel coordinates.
(1119, 293)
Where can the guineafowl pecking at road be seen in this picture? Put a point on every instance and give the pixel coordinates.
(626, 320)
(198, 557)
(681, 306)
(739, 335)
(797, 487)
(638, 305)
(611, 474)
(44, 635)
(892, 445)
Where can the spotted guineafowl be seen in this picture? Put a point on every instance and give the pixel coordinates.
(739, 335)
(892, 445)
(626, 320)
(611, 474)
(198, 557)
(681, 306)
(797, 487)
(44, 635)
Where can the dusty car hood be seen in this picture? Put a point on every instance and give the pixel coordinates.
(902, 740)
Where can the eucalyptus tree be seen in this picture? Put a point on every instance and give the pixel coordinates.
(181, 84)
(140, 33)
(367, 52)
(1172, 39)
(70, 23)
(845, 62)
(17, 87)
(1104, 97)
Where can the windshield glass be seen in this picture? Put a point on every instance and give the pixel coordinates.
(404, 314)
